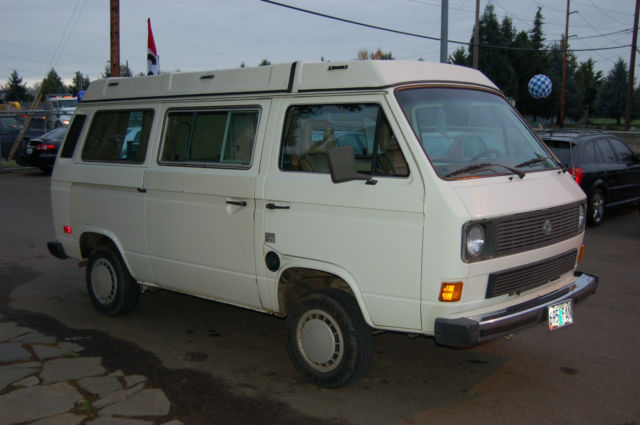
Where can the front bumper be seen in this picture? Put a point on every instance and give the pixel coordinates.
(469, 331)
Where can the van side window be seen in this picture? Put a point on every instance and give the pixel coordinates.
(210, 137)
(73, 136)
(310, 131)
(118, 136)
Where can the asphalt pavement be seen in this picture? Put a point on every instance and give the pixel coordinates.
(203, 363)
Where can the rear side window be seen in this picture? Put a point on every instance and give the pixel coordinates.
(591, 154)
(72, 136)
(312, 130)
(210, 137)
(607, 151)
(624, 153)
(118, 136)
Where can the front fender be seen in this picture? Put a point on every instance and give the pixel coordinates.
(288, 263)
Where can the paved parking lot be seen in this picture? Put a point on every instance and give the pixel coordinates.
(220, 364)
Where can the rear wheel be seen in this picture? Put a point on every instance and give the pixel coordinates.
(327, 338)
(596, 207)
(111, 287)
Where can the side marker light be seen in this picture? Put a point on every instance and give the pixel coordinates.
(450, 292)
(581, 253)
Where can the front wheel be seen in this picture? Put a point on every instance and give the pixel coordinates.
(328, 340)
(596, 207)
(111, 287)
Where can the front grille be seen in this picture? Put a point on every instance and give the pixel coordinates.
(526, 231)
(530, 276)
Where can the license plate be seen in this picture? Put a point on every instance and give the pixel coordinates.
(560, 315)
(29, 150)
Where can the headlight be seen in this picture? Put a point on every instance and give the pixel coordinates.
(475, 240)
(581, 217)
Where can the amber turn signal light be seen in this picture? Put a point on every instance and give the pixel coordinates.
(450, 291)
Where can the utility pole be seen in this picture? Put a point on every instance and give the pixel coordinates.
(476, 36)
(632, 66)
(565, 46)
(444, 31)
(115, 37)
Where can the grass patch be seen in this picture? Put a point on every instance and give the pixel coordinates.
(611, 124)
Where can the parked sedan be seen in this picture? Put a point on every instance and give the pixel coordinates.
(41, 151)
(603, 165)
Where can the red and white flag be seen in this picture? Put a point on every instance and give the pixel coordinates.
(153, 60)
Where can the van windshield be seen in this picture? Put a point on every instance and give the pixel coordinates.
(472, 133)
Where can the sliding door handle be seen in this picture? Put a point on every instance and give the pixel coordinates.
(272, 206)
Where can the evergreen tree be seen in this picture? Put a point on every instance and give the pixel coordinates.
(611, 98)
(573, 93)
(80, 82)
(52, 83)
(265, 62)
(536, 35)
(16, 91)
(493, 61)
(590, 82)
(460, 57)
(125, 71)
(531, 62)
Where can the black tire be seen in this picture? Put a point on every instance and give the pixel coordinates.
(111, 287)
(328, 340)
(597, 204)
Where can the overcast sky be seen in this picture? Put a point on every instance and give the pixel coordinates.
(195, 35)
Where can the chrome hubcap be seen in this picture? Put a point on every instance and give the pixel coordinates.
(320, 340)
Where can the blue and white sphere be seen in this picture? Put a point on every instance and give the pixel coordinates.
(540, 86)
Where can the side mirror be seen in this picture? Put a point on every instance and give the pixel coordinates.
(342, 165)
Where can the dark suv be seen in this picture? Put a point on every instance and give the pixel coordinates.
(603, 165)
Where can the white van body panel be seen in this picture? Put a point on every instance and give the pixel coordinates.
(373, 231)
(105, 198)
(499, 196)
(199, 242)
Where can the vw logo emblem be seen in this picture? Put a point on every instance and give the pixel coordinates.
(546, 227)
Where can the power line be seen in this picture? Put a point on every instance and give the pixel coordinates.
(427, 37)
(22, 46)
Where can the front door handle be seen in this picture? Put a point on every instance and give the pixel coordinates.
(239, 203)
(272, 206)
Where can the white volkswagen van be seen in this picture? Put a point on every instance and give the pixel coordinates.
(346, 197)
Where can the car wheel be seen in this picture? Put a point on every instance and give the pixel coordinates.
(111, 287)
(328, 340)
(596, 207)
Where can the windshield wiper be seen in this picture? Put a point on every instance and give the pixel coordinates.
(530, 162)
(474, 167)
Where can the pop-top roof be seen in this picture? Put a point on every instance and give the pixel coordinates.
(293, 77)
